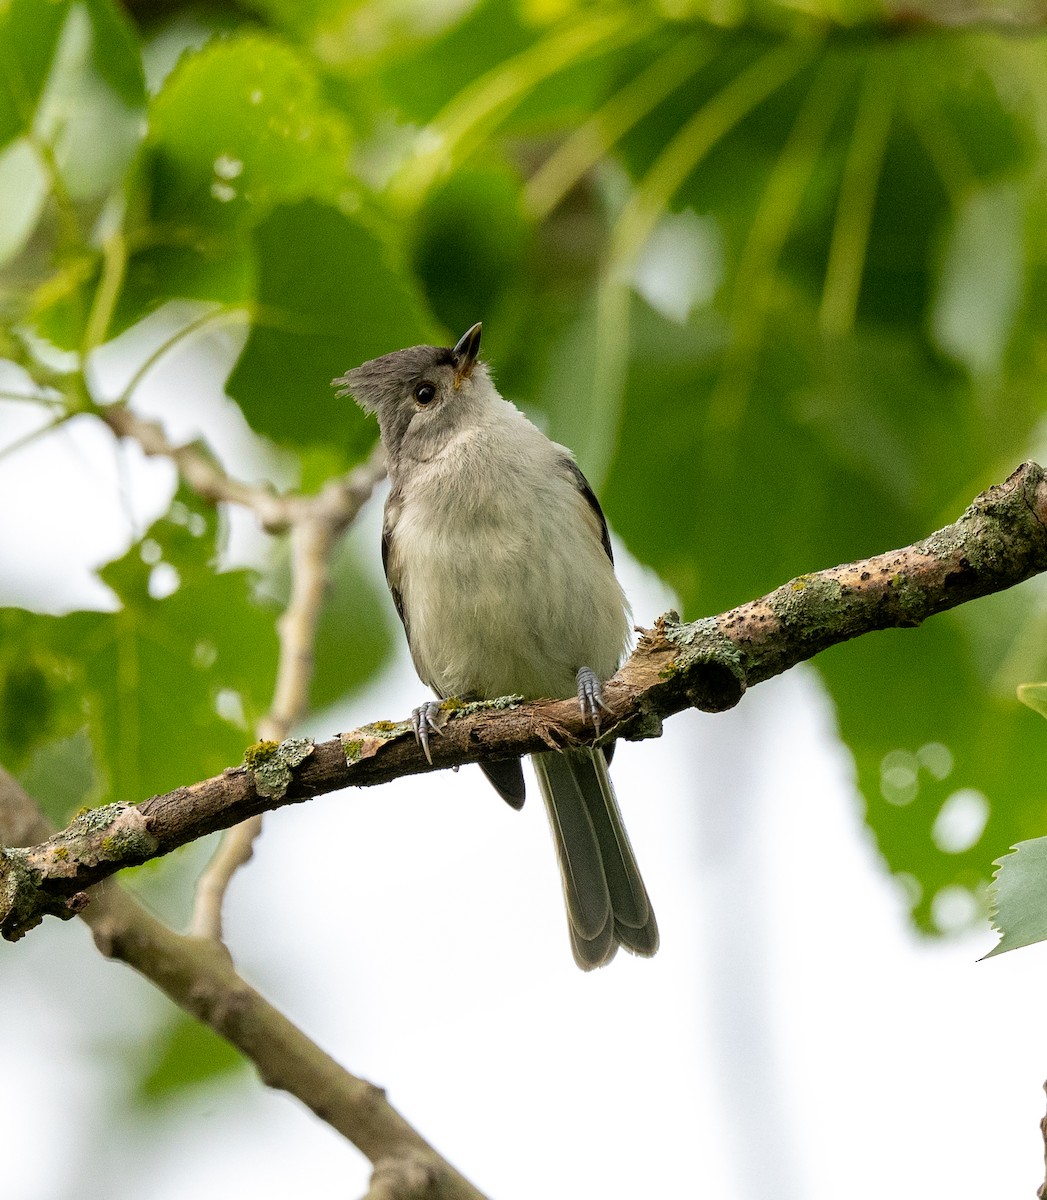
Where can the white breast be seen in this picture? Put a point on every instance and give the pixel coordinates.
(497, 556)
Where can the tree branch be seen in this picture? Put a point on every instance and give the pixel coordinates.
(999, 541)
(199, 976)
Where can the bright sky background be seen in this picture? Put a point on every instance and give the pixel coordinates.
(792, 1037)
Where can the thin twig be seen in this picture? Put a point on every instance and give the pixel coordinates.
(234, 851)
(998, 542)
(199, 470)
(316, 527)
(316, 523)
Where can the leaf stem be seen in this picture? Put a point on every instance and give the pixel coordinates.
(854, 209)
(212, 316)
(27, 439)
(114, 265)
(747, 91)
(591, 141)
(466, 123)
(779, 204)
(644, 208)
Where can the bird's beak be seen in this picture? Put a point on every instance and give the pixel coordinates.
(465, 353)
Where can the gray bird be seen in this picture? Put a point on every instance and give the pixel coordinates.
(497, 556)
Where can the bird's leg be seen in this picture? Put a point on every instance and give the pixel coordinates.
(426, 718)
(590, 695)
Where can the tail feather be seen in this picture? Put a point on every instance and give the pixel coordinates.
(607, 903)
(593, 952)
(577, 848)
(507, 780)
(629, 896)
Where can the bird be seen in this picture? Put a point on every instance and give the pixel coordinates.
(498, 558)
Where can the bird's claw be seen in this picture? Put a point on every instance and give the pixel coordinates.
(426, 718)
(590, 696)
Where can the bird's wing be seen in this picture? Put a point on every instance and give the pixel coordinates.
(392, 513)
(582, 484)
(394, 591)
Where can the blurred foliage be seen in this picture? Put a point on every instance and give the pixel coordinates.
(776, 272)
(182, 1055)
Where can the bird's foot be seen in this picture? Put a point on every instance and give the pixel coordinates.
(590, 695)
(425, 719)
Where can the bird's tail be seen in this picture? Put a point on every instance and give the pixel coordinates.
(607, 903)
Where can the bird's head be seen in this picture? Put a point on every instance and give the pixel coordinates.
(422, 396)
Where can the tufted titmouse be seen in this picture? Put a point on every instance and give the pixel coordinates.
(497, 556)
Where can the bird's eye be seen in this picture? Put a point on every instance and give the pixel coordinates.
(425, 393)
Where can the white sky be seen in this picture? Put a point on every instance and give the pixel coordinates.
(792, 1037)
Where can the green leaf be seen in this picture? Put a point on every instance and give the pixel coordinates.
(39, 704)
(432, 72)
(984, 126)
(184, 1054)
(1019, 896)
(82, 123)
(150, 679)
(329, 297)
(1034, 695)
(903, 691)
(27, 699)
(826, 461)
(90, 111)
(216, 268)
(24, 187)
(584, 381)
(468, 243)
(29, 33)
(116, 52)
(238, 127)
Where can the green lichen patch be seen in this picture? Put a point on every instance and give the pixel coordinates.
(806, 596)
(259, 754)
(352, 748)
(946, 543)
(386, 730)
(710, 666)
(23, 904)
(273, 764)
(700, 642)
(463, 708)
(366, 741)
(93, 820)
(115, 833)
(127, 842)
